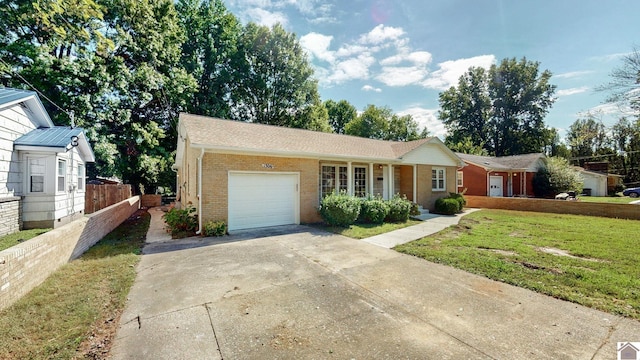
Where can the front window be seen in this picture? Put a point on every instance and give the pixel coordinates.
(360, 181)
(62, 175)
(438, 181)
(334, 178)
(37, 170)
(460, 179)
(81, 177)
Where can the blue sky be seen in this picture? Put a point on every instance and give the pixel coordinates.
(401, 54)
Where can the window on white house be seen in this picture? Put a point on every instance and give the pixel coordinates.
(460, 179)
(62, 175)
(81, 175)
(438, 180)
(360, 181)
(333, 178)
(37, 169)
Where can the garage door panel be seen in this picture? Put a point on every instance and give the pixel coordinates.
(262, 199)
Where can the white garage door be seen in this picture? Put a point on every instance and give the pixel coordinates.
(262, 199)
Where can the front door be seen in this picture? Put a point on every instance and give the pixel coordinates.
(495, 186)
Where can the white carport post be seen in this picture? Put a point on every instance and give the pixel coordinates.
(390, 181)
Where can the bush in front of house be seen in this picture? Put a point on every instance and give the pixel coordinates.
(373, 210)
(460, 200)
(415, 209)
(214, 228)
(340, 209)
(399, 208)
(447, 206)
(181, 220)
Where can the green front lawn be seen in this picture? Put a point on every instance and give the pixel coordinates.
(10, 240)
(75, 312)
(591, 261)
(361, 231)
(607, 199)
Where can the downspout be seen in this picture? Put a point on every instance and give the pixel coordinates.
(200, 191)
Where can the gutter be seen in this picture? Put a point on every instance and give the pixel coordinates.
(200, 192)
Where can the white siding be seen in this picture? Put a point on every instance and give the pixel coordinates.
(14, 122)
(430, 154)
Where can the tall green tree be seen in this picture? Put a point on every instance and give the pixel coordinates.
(587, 137)
(503, 108)
(403, 128)
(626, 141)
(274, 82)
(373, 123)
(208, 53)
(340, 114)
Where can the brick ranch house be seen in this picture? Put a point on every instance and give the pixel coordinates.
(254, 175)
(504, 176)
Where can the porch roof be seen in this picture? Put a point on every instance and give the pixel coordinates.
(57, 138)
(237, 136)
(507, 163)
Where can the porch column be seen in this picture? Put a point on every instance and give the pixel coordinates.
(524, 183)
(391, 187)
(371, 179)
(349, 179)
(415, 184)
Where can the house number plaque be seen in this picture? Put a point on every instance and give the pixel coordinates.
(268, 166)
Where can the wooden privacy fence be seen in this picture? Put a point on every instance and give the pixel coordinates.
(98, 197)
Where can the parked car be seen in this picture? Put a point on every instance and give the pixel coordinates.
(569, 195)
(632, 192)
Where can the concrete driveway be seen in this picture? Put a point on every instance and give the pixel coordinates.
(300, 293)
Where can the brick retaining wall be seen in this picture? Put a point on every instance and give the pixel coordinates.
(622, 211)
(27, 265)
(10, 220)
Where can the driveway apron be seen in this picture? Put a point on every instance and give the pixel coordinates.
(300, 293)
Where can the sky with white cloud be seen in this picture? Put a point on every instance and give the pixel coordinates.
(402, 54)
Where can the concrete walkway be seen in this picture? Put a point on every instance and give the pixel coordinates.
(296, 292)
(429, 226)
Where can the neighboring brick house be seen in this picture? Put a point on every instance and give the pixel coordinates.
(253, 175)
(499, 176)
(42, 166)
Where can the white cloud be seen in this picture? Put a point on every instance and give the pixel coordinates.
(352, 69)
(426, 118)
(371, 88)
(450, 71)
(573, 74)
(267, 18)
(381, 34)
(317, 45)
(572, 91)
(402, 76)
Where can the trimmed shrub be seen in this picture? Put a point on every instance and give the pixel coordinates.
(340, 209)
(399, 208)
(181, 220)
(373, 210)
(460, 199)
(214, 228)
(447, 206)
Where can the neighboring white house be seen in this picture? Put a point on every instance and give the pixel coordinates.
(42, 166)
(595, 183)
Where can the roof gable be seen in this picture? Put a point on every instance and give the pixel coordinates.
(514, 162)
(29, 99)
(237, 136)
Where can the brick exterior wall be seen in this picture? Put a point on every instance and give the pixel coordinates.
(10, 220)
(426, 196)
(215, 168)
(622, 211)
(27, 265)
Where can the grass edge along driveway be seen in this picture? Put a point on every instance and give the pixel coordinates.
(74, 313)
(591, 261)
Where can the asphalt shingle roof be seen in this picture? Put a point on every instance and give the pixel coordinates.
(525, 161)
(237, 135)
(59, 137)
